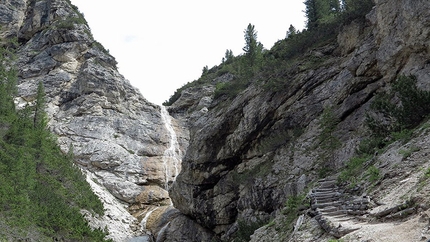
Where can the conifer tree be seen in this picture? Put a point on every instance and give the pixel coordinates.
(291, 31)
(250, 44)
(205, 70)
(228, 57)
(8, 76)
(253, 49)
(320, 11)
(311, 14)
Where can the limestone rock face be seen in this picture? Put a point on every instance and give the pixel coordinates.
(249, 154)
(13, 14)
(114, 133)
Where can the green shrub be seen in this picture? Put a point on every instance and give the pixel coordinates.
(246, 229)
(69, 23)
(230, 89)
(291, 210)
(373, 173)
(408, 152)
(354, 167)
(328, 124)
(427, 173)
(413, 108)
(370, 145)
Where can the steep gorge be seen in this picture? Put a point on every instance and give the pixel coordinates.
(245, 157)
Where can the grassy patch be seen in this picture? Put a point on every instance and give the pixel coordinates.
(408, 152)
(354, 168)
(291, 210)
(373, 174)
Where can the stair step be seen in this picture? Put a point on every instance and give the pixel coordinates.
(323, 205)
(327, 209)
(326, 196)
(323, 190)
(355, 212)
(340, 220)
(325, 200)
(335, 213)
(326, 193)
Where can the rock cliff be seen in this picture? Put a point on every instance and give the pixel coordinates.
(117, 137)
(250, 154)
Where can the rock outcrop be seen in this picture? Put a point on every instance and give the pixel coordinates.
(250, 153)
(115, 134)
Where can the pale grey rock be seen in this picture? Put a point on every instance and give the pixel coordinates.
(12, 17)
(140, 239)
(120, 224)
(113, 132)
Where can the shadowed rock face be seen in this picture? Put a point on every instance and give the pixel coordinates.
(248, 155)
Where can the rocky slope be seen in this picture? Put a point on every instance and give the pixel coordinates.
(250, 154)
(117, 137)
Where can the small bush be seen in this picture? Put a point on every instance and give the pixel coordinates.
(328, 124)
(408, 152)
(413, 108)
(70, 22)
(230, 89)
(427, 173)
(353, 169)
(373, 173)
(291, 209)
(369, 146)
(246, 229)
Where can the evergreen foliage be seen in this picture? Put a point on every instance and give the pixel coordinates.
(41, 189)
(246, 229)
(392, 117)
(228, 58)
(328, 124)
(319, 12)
(253, 49)
(292, 31)
(389, 117)
(270, 68)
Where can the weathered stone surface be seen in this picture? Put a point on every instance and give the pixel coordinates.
(12, 17)
(249, 154)
(181, 228)
(114, 133)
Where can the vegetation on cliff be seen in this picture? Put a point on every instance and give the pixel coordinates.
(393, 117)
(268, 67)
(42, 191)
(321, 82)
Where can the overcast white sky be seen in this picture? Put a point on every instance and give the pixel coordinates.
(161, 45)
